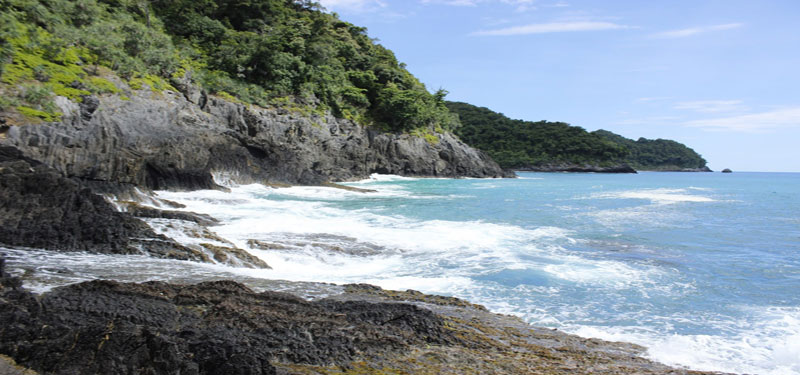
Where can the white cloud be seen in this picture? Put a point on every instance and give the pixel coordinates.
(458, 3)
(522, 5)
(752, 123)
(553, 27)
(712, 106)
(652, 120)
(352, 5)
(683, 33)
(652, 99)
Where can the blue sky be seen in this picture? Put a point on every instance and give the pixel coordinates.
(719, 76)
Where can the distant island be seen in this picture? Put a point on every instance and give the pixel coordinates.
(558, 146)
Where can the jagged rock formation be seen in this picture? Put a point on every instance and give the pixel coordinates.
(172, 140)
(222, 327)
(105, 327)
(41, 208)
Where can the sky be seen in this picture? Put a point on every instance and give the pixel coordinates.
(719, 76)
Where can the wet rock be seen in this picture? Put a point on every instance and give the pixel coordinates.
(264, 245)
(319, 242)
(41, 208)
(138, 210)
(105, 327)
(223, 327)
(362, 290)
(234, 256)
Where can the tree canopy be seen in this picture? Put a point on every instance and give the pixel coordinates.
(264, 52)
(519, 144)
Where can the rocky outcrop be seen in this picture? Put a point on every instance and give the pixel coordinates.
(587, 168)
(105, 327)
(222, 327)
(41, 208)
(172, 140)
(726, 170)
(139, 210)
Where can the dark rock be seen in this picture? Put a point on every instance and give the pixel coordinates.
(174, 141)
(41, 208)
(138, 210)
(105, 327)
(582, 168)
(88, 105)
(222, 327)
(235, 256)
(726, 170)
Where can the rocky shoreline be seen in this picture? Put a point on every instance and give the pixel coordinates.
(104, 327)
(85, 184)
(123, 146)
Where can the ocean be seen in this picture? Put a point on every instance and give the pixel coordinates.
(701, 268)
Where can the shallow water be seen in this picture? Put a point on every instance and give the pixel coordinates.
(701, 268)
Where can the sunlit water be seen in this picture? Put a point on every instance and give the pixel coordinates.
(703, 269)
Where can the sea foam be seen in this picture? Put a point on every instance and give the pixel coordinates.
(657, 196)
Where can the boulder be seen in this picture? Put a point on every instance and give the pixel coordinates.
(41, 208)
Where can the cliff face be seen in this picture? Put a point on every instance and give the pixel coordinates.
(173, 140)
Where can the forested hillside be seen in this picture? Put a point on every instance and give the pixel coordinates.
(267, 52)
(521, 144)
(656, 154)
(271, 53)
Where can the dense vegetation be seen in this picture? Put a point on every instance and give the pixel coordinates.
(519, 144)
(265, 52)
(654, 154)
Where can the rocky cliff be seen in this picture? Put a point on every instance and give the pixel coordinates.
(179, 140)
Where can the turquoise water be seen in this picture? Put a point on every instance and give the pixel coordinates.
(701, 268)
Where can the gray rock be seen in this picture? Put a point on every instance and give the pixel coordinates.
(179, 141)
(41, 208)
